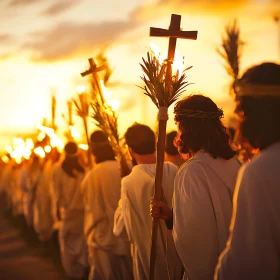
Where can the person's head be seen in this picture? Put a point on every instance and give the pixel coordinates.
(70, 164)
(54, 154)
(170, 147)
(100, 147)
(140, 139)
(258, 97)
(200, 127)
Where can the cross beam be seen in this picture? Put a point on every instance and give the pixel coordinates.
(93, 69)
(174, 32)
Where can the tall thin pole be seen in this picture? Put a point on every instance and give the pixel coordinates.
(277, 21)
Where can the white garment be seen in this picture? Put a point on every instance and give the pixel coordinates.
(253, 248)
(43, 205)
(30, 178)
(101, 188)
(134, 214)
(7, 178)
(71, 238)
(202, 211)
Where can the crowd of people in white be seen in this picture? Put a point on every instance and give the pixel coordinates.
(211, 205)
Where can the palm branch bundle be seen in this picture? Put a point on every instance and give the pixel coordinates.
(82, 110)
(104, 117)
(231, 51)
(164, 88)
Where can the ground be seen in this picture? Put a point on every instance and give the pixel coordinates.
(22, 256)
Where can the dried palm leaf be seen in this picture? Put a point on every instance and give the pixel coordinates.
(162, 91)
(231, 51)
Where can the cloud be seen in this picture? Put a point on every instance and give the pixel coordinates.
(68, 38)
(59, 7)
(5, 38)
(22, 2)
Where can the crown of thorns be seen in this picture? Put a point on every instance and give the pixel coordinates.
(196, 114)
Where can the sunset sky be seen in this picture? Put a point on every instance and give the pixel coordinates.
(44, 45)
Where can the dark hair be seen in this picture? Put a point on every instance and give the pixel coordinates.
(141, 139)
(170, 148)
(71, 162)
(260, 115)
(100, 147)
(208, 134)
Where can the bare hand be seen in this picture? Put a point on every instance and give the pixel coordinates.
(160, 210)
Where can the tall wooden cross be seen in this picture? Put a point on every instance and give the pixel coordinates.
(173, 33)
(93, 69)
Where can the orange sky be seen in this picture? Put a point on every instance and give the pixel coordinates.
(45, 44)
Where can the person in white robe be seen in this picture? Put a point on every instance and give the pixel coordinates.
(44, 213)
(17, 193)
(171, 151)
(253, 247)
(66, 184)
(6, 182)
(109, 255)
(30, 178)
(204, 185)
(133, 213)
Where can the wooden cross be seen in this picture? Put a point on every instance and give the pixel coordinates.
(173, 33)
(93, 69)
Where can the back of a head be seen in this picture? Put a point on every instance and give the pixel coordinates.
(70, 164)
(200, 127)
(170, 148)
(258, 98)
(141, 139)
(100, 146)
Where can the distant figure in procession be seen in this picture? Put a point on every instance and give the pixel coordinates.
(67, 179)
(30, 179)
(254, 244)
(44, 212)
(109, 255)
(202, 202)
(171, 151)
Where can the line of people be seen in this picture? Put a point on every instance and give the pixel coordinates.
(105, 220)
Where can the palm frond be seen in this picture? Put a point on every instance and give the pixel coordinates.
(103, 115)
(231, 51)
(162, 90)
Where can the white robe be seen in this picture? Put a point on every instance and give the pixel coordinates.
(254, 246)
(43, 206)
(30, 178)
(71, 238)
(134, 214)
(17, 193)
(202, 211)
(101, 188)
(7, 178)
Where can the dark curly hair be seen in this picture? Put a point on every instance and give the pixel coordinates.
(170, 148)
(208, 134)
(260, 115)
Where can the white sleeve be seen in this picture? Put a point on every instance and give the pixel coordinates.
(251, 251)
(119, 227)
